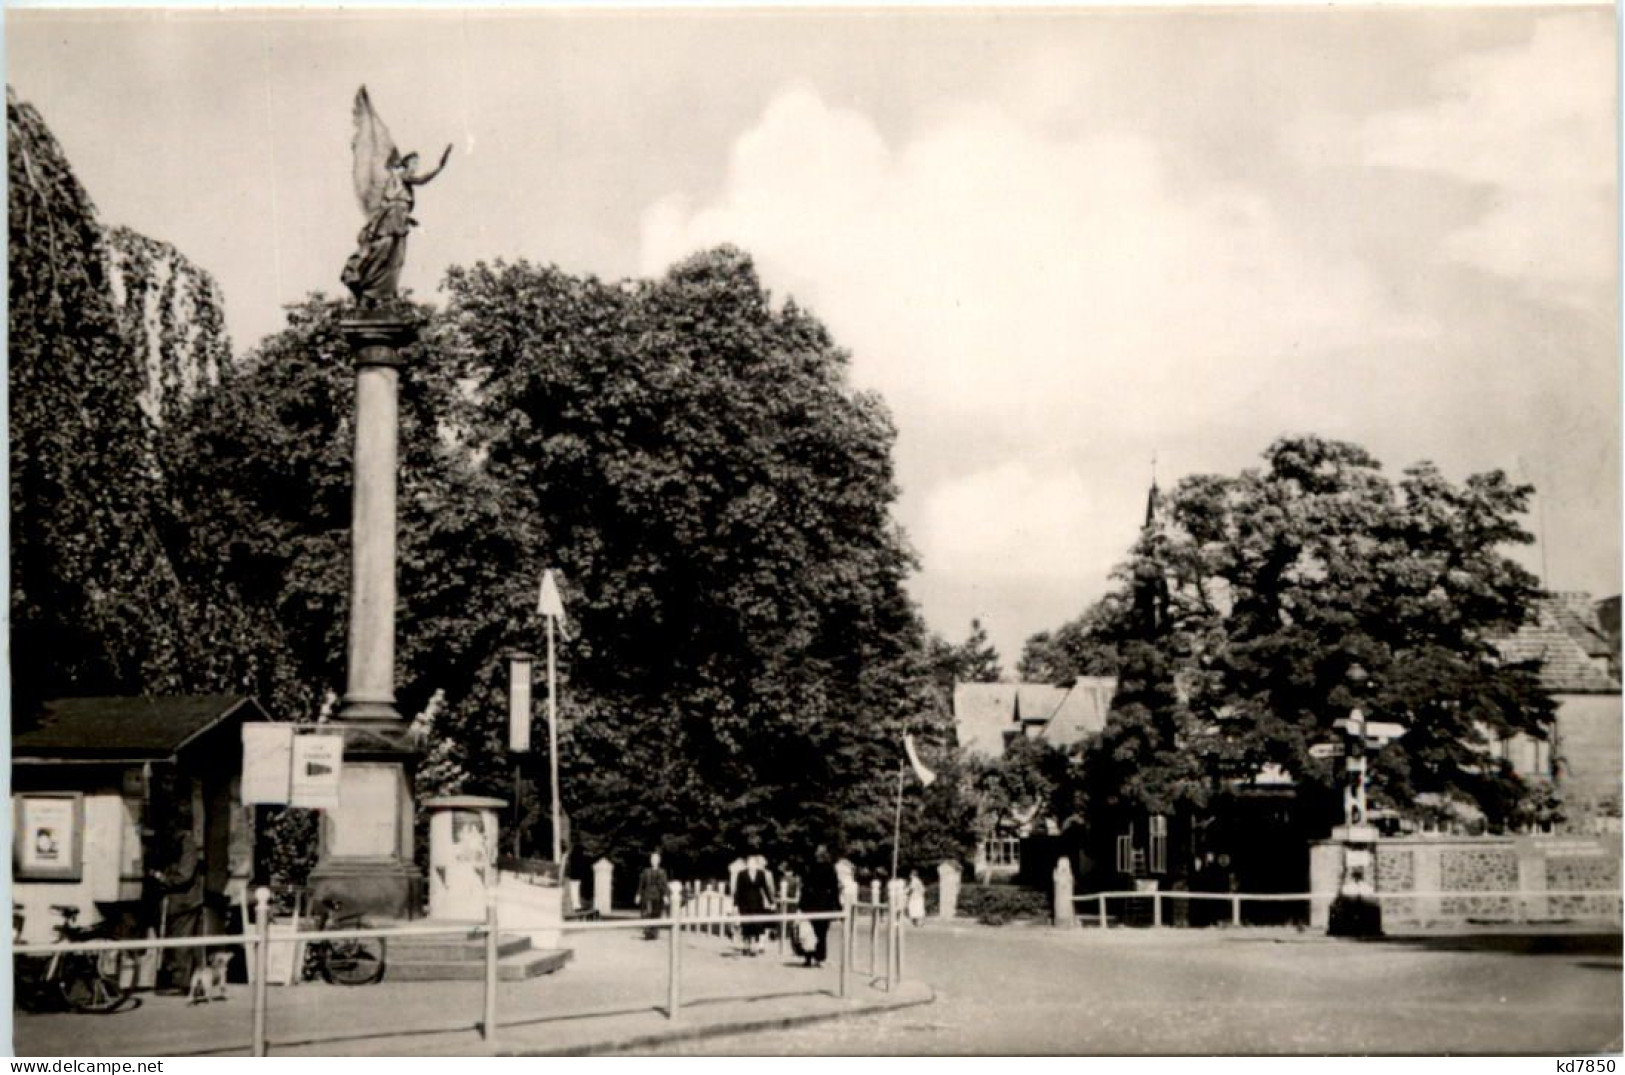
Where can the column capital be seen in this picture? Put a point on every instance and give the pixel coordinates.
(377, 337)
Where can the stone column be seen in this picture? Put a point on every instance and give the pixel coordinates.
(603, 882)
(1064, 916)
(1325, 874)
(948, 874)
(370, 689)
(366, 845)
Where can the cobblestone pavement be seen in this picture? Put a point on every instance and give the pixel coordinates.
(1021, 990)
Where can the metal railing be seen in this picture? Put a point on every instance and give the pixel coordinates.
(258, 944)
(1522, 900)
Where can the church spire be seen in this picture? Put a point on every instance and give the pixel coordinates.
(1153, 500)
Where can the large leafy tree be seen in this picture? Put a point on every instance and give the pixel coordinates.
(1085, 646)
(94, 604)
(740, 659)
(1275, 601)
(691, 460)
(974, 660)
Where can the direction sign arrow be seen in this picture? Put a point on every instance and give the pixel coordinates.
(1326, 750)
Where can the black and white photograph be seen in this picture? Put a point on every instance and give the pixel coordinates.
(772, 531)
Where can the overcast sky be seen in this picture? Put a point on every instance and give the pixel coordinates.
(1058, 243)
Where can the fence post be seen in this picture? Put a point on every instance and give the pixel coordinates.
(1156, 908)
(874, 928)
(1062, 878)
(488, 1023)
(1235, 909)
(674, 959)
(784, 910)
(262, 959)
(902, 917)
(848, 921)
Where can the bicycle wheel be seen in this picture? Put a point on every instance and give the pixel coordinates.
(94, 984)
(358, 962)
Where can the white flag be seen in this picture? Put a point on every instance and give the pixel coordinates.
(927, 777)
(548, 602)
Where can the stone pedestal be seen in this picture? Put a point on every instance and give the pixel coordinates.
(1355, 912)
(948, 876)
(463, 839)
(365, 854)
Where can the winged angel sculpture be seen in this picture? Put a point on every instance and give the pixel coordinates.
(384, 180)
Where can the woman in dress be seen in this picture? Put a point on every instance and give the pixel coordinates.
(753, 897)
(916, 897)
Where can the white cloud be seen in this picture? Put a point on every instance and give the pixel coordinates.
(1030, 305)
(1012, 522)
(984, 268)
(1533, 125)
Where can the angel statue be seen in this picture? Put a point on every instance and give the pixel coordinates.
(383, 183)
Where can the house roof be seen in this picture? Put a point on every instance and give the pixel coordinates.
(1082, 712)
(985, 712)
(124, 729)
(1567, 666)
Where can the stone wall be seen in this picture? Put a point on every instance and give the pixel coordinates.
(1453, 878)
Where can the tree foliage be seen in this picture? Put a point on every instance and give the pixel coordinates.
(1271, 603)
(1085, 646)
(740, 659)
(974, 660)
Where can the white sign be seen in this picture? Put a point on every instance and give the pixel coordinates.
(1382, 730)
(318, 762)
(1326, 750)
(519, 706)
(267, 763)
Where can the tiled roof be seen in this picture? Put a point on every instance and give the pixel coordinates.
(1577, 614)
(123, 729)
(1566, 666)
(984, 713)
(1082, 712)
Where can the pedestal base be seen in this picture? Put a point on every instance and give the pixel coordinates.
(1354, 916)
(384, 888)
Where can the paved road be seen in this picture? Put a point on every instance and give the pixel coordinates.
(1035, 991)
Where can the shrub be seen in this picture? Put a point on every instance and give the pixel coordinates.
(994, 905)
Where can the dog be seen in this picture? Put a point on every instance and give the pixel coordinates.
(209, 980)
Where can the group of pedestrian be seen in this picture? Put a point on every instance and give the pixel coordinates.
(755, 899)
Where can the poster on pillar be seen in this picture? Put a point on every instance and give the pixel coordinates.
(318, 763)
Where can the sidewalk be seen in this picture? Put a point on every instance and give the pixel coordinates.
(611, 996)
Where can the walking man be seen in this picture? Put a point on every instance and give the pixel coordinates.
(652, 890)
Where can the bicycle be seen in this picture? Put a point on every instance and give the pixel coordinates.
(357, 961)
(91, 983)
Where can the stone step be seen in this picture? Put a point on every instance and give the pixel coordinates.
(452, 948)
(514, 968)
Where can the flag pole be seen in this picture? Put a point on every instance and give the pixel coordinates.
(553, 741)
(897, 819)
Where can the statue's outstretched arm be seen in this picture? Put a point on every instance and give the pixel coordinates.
(422, 179)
